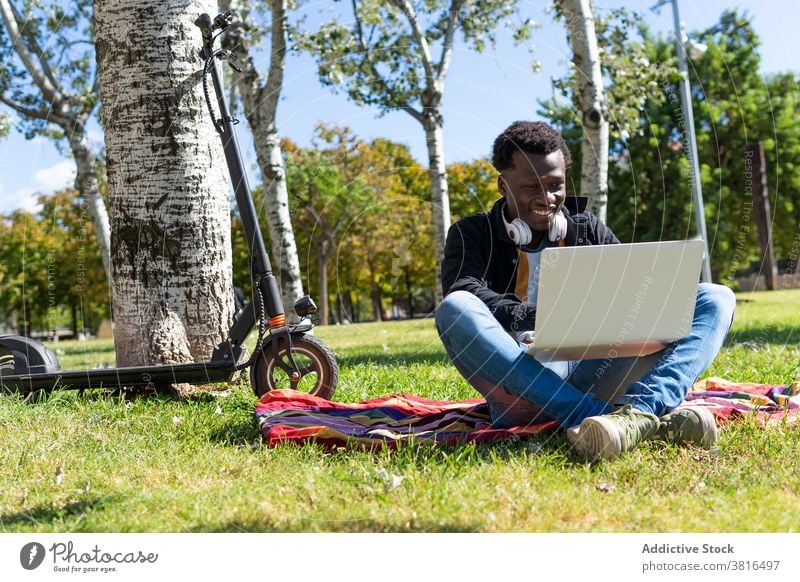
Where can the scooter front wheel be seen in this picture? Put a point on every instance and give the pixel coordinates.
(315, 361)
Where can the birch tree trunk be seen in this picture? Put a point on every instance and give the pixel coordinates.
(594, 108)
(86, 184)
(440, 199)
(260, 101)
(169, 199)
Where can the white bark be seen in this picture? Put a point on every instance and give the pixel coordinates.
(86, 184)
(432, 122)
(64, 112)
(169, 198)
(594, 108)
(439, 192)
(260, 101)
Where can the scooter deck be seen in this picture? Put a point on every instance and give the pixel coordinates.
(195, 373)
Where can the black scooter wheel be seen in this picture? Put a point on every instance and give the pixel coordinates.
(319, 372)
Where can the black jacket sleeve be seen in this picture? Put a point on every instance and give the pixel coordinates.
(467, 254)
(603, 234)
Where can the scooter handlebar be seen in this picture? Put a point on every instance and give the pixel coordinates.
(207, 26)
(204, 23)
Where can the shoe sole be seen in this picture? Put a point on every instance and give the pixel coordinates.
(596, 438)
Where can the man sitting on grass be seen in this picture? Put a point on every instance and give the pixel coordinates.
(608, 406)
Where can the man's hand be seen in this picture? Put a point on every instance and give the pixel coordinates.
(526, 337)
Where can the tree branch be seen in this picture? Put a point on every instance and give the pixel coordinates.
(277, 62)
(46, 85)
(37, 50)
(401, 103)
(447, 49)
(419, 36)
(250, 83)
(339, 221)
(317, 218)
(34, 113)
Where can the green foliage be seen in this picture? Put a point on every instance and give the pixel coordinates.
(379, 60)
(360, 205)
(51, 274)
(472, 187)
(363, 204)
(649, 175)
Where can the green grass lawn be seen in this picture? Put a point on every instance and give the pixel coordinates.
(96, 463)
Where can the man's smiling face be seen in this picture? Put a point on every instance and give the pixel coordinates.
(534, 187)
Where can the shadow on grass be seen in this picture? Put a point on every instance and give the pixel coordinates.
(339, 526)
(394, 358)
(772, 334)
(238, 433)
(51, 514)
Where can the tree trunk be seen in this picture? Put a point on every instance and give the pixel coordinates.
(375, 295)
(410, 293)
(586, 57)
(434, 137)
(86, 185)
(260, 101)
(170, 215)
(322, 267)
(346, 307)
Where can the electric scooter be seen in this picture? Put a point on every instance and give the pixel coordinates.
(285, 357)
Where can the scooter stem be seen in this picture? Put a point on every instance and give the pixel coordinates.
(244, 200)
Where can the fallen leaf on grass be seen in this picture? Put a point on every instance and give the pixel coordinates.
(176, 421)
(391, 481)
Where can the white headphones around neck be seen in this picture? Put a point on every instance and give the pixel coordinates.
(519, 232)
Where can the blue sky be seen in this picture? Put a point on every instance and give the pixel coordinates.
(484, 93)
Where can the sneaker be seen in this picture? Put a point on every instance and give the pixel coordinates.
(609, 435)
(688, 424)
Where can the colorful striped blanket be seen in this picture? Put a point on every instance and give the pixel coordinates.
(287, 415)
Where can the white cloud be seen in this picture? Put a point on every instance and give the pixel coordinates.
(22, 199)
(55, 177)
(44, 181)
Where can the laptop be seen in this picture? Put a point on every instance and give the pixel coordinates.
(613, 301)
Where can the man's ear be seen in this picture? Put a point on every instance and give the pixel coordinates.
(501, 185)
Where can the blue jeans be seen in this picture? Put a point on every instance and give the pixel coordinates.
(521, 390)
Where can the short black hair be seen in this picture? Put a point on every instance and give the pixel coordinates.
(533, 137)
